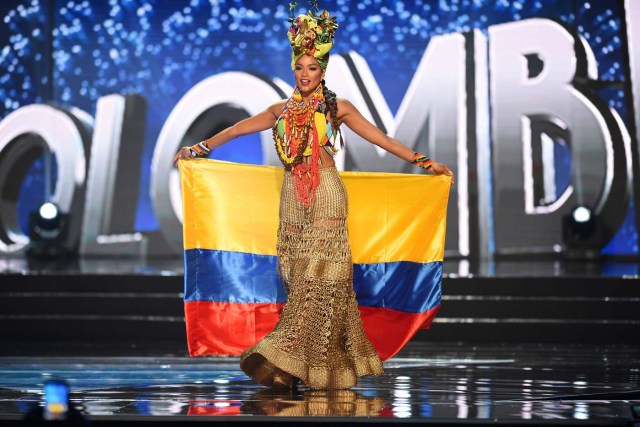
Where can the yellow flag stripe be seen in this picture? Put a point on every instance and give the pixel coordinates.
(392, 217)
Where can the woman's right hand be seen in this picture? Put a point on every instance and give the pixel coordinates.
(183, 153)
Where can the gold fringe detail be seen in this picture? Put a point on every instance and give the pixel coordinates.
(319, 337)
(321, 403)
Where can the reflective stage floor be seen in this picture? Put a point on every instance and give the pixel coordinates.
(114, 329)
(436, 383)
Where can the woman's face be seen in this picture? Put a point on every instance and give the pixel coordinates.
(308, 73)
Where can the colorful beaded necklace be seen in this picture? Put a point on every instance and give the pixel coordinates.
(301, 140)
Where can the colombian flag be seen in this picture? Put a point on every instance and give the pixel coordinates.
(233, 295)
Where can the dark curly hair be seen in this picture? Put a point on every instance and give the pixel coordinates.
(332, 104)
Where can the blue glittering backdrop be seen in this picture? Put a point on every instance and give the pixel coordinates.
(161, 48)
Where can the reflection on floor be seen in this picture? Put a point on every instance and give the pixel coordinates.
(84, 320)
(426, 381)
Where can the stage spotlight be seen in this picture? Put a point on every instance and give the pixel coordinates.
(582, 234)
(47, 222)
(582, 214)
(48, 232)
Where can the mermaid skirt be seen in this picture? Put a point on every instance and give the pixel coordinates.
(319, 337)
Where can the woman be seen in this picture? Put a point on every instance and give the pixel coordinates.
(319, 338)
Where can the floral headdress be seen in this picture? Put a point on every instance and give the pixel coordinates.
(311, 34)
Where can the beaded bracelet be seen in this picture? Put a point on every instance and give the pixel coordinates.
(422, 161)
(199, 150)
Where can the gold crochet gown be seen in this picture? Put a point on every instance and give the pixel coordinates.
(319, 337)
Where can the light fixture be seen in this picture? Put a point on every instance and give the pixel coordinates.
(48, 232)
(47, 222)
(582, 214)
(582, 234)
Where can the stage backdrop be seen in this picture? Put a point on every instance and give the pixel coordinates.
(530, 102)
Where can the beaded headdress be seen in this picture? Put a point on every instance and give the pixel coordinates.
(311, 34)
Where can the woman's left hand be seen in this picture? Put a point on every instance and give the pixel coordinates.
(441, 169)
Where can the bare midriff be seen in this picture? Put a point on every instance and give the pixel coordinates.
(326, 160)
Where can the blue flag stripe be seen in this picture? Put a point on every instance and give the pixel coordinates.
(238, 277)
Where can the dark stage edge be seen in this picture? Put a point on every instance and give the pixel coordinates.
(427, 383)
(131, 307)
(515, 343)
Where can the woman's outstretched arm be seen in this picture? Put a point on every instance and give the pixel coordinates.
(350, 116)
(259, 122)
